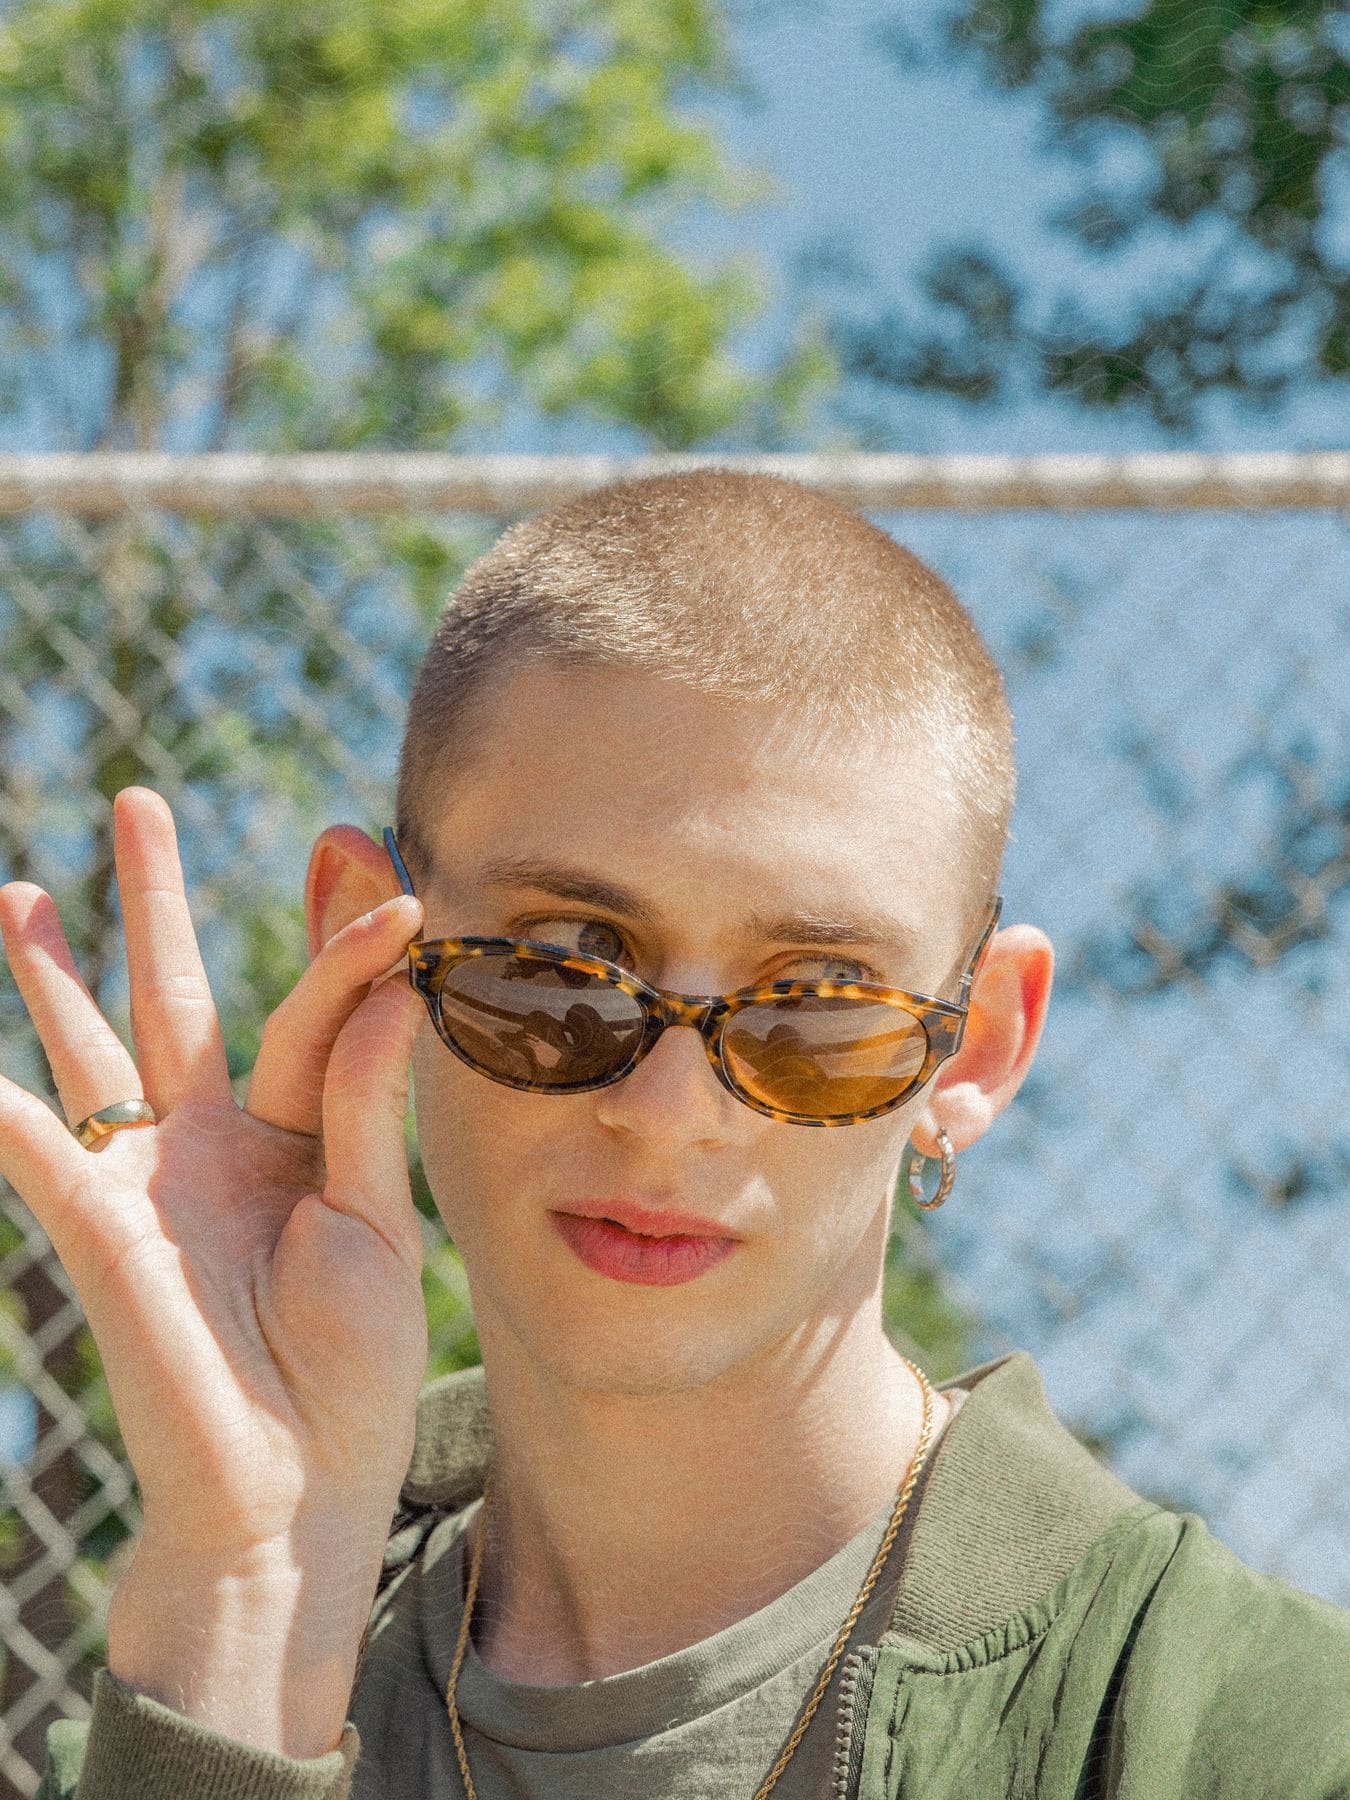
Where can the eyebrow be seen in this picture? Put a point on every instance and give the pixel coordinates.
(808, 925)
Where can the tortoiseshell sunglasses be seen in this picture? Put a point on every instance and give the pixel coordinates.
(533, 1015)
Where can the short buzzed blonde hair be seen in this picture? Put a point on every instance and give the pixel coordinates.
(737, 584)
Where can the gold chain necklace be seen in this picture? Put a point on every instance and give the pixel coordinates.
(902, 1501)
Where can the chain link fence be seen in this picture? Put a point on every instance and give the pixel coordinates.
(1160, 1218)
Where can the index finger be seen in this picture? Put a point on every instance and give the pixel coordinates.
(179, 1047)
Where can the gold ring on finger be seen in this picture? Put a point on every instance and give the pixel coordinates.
(117, 1117)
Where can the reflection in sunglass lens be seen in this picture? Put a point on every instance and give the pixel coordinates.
(534, 1023)
(824, 1055)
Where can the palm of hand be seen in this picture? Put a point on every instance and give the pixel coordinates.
(251, 1275)
(276, 1340)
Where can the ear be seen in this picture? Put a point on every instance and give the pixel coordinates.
(349, 874)
(1008, 1004)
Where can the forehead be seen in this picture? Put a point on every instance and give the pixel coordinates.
(696, 800)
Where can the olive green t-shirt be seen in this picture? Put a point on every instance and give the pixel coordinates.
(709, 1719)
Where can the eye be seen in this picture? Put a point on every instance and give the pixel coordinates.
(586, 937)
(833, 968)
(599, 938)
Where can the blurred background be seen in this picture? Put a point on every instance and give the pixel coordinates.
(726, 230)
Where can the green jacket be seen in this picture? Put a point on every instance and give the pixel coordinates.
(1054, 1637)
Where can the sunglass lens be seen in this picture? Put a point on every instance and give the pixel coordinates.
(824, 1056)
(534, 1023)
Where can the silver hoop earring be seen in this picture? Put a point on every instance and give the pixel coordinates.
(915, 1175)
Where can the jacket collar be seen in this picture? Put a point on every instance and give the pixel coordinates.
(1011, 1500)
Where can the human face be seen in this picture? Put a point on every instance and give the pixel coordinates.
(705, 810)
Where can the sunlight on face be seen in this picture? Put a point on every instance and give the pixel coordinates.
(703, 810)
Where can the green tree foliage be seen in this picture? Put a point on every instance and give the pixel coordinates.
(1212, 134)
(226, 223)
(922, 1318)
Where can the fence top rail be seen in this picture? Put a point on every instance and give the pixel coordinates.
(507, 486)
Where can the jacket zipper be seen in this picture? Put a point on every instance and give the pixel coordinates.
(856, 1675)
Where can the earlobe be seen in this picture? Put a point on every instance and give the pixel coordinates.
(963, 1109)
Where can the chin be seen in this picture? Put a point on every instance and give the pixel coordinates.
(621, 1356)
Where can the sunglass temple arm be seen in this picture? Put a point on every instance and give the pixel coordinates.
(400, 867)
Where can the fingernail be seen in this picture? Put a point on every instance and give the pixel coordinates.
(382, 913)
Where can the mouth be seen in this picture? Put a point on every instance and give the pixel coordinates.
(650, 1258)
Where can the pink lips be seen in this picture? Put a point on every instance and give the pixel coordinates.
(655, 1248)
(650, 1221)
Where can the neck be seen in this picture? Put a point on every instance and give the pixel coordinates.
(624, 1528)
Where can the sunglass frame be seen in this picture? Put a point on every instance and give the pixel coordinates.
(943, 1021)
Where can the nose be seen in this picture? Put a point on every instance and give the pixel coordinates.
(672, 1094)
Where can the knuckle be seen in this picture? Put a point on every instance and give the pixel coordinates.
(187, 988)
(100, 1053)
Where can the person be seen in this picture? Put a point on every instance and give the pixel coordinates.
(703, 749)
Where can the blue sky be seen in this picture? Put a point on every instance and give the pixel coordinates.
(891, 163)
(888, 164)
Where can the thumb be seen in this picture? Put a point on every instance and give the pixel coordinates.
(365, 1109)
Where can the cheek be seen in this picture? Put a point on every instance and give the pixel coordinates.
(454, 1113)
(831, 1193)
(482, 1144)
(429, 1074)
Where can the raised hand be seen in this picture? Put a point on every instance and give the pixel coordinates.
(251, 1274)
